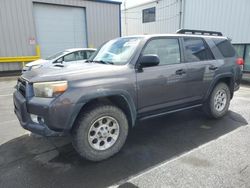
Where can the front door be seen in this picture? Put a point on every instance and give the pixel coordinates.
(162, 86)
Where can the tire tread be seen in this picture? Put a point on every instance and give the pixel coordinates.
(80, 125)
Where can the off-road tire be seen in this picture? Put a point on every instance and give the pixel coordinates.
(209, 106)
(83, 125)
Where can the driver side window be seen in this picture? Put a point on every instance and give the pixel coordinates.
(168, 50)
(60, 60)
(70, 57)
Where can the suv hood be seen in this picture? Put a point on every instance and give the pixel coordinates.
(72, 72)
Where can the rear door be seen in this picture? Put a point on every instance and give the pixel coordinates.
(201, 67)
(162, 86)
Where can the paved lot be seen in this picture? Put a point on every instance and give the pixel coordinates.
(183, 149)
(224, 162)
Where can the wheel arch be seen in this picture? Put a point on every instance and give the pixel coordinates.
(225, 78)
(121, 100)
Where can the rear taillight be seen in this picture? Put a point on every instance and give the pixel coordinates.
(240, 62)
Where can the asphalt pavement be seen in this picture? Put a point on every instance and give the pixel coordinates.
(184, 149)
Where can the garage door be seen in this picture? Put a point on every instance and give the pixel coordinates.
(59, 27)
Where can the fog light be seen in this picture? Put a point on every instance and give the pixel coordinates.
(37, 119)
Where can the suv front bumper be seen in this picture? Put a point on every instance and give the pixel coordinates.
(25, 120)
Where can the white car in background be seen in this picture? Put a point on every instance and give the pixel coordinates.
(69, 56)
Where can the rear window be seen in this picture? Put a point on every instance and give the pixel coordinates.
(225, 47)
(196, 50)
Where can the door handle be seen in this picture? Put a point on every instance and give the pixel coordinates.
(212, 67)
(180, 72)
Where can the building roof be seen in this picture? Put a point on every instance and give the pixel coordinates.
(109, 1)
(139, 4)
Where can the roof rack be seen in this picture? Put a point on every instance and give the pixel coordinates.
(198, 32)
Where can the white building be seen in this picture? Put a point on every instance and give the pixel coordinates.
(231, 17)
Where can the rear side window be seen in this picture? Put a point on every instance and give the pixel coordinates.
(88, 54)
(196, 50)
(167, 49)
(225, 47)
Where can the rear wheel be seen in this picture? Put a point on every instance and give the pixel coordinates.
(100, 132)
(218, 103)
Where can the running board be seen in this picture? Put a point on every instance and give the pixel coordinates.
(169, 112)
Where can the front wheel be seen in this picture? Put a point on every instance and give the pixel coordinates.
(218, 103)
(100, 132)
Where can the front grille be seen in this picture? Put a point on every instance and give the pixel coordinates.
(21, 86)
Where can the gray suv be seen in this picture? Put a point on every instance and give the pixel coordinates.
(128, 79)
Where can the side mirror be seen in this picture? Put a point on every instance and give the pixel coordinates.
(149, 60)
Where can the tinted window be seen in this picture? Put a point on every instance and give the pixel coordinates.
(148, 15)
(83, 55)
(86, 54)
(167, 49)
(70, 57)
(78, 55)
(196, 50)
(225, 47)
(89, 54)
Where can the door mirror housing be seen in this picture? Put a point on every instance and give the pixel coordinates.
(149, 60)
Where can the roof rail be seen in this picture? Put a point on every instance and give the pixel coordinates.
(198, 32)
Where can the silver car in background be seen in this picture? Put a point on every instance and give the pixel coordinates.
(67, 56)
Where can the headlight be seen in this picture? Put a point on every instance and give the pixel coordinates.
(49, 89)
(35, 67)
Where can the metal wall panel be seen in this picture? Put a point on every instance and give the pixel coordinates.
(16, 28)
(167, 18)
(10, 66)
(231, 17)
(17, 25)
(53, 34)
(102, 19)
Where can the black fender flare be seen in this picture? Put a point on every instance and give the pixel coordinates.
(216, 80)
(102, 94)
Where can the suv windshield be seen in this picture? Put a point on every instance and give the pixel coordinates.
(117, 51)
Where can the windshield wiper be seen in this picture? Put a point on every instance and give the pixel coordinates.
(104, 62)
(59, 65)
(100, 61)
(88, 61)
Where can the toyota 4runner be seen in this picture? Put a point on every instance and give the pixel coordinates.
(129, 78)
